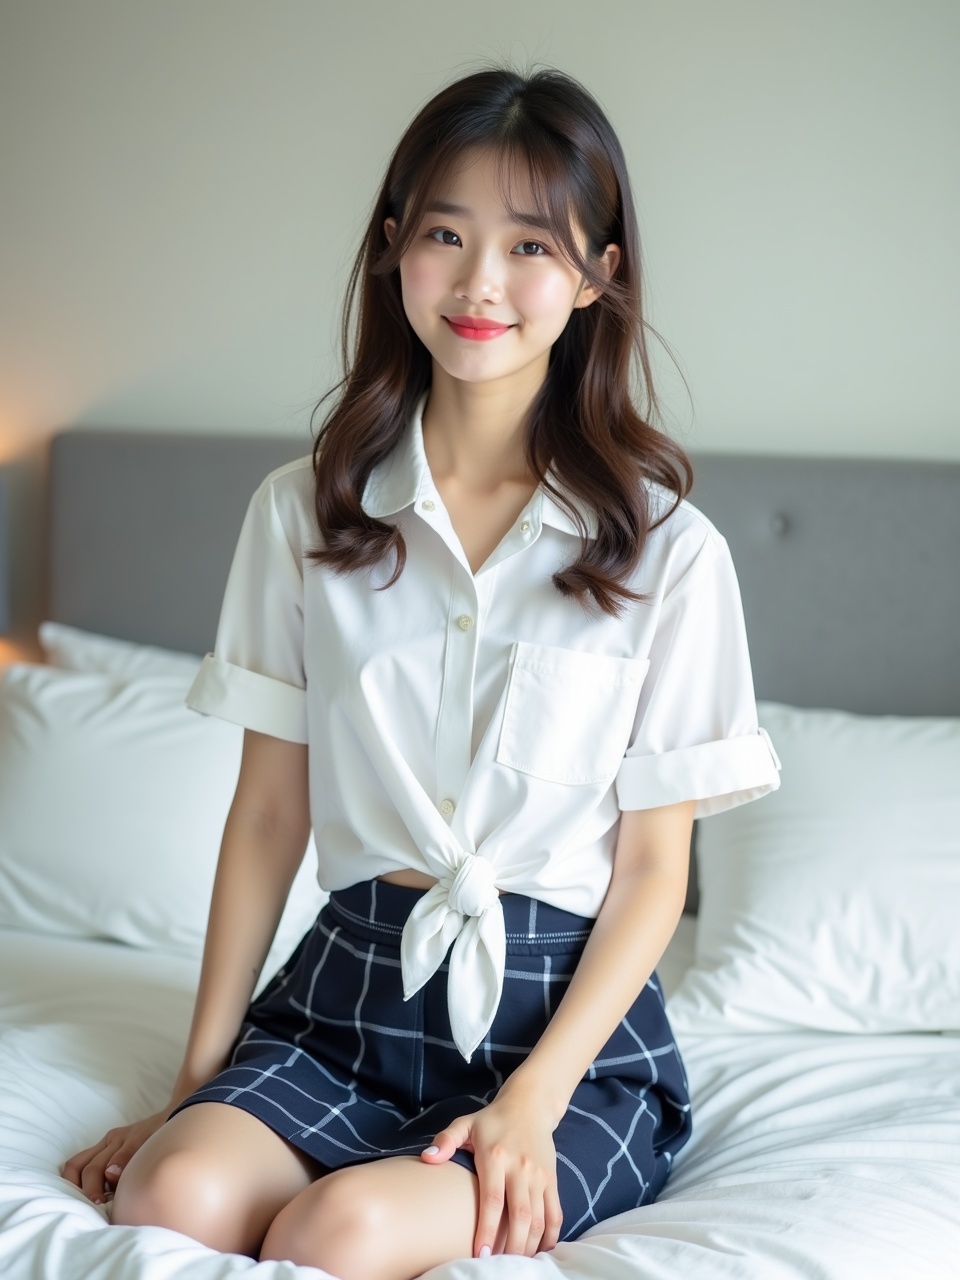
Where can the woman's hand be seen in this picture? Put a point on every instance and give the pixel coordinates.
(97, 1169)
(512, 1145)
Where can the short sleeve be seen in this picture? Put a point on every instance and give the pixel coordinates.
(255, 675)
(696, 735)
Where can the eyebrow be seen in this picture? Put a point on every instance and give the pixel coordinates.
(514, 219)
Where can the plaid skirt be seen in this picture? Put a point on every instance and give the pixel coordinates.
(331, 1057)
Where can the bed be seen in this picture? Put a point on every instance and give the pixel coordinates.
(814, 981)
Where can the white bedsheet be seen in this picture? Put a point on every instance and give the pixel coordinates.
(815, 1156)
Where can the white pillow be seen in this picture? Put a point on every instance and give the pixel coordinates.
(113, 799)
(834, 903)
(77, 650)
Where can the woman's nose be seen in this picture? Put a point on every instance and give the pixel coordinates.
(481, 277)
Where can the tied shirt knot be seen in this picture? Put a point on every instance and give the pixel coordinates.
(462, 908)
(473, 889)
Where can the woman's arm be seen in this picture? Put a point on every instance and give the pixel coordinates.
(639, 915)
(264, 839)
(511, 1137)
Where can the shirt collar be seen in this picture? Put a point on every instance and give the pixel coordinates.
(403, 478)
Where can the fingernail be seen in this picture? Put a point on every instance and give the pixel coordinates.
(485, 1251)
(113, 1168)
(431, 1151)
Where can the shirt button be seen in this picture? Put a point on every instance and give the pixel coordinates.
(525, 526)
(427, 505)
(464, 622)
(446, 806)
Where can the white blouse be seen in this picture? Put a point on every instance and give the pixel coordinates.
(482, 728)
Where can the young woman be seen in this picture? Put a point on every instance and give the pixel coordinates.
(480, 641)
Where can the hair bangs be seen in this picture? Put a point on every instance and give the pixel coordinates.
(553, 195)
(563, 186)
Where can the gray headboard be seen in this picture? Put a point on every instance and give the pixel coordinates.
(849, 568)
(850, 575)
(143, 525)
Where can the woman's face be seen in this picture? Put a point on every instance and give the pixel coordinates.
(469, 261)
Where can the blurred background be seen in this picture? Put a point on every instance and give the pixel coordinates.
(183, 185)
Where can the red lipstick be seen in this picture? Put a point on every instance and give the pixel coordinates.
(475, 328)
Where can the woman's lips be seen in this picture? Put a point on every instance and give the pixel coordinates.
(474, 334)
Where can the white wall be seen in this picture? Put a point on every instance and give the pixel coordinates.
(184, 184)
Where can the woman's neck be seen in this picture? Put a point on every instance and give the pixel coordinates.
(474, 432)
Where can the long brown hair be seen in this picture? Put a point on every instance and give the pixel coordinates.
(586, 422)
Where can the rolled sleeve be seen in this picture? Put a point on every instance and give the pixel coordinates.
(696, 735)
(247, 698)
(718, 775)
(255, 675)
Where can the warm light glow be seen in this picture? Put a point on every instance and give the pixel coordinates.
(10, 652)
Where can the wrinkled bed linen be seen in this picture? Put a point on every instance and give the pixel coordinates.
(814, 1155)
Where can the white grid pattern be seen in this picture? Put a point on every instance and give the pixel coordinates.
(334, 1060)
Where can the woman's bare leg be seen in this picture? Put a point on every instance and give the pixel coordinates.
(389, 1219)
(214, 1172)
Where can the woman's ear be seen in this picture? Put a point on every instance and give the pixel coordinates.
(610, 259)
(606, 264)
(390, 229)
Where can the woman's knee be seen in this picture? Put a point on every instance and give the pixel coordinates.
(180, 1189)
(216, 1173)
(339, 1224)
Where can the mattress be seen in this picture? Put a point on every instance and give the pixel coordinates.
(814, 1154)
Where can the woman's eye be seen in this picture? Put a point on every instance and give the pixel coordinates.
(528, 248)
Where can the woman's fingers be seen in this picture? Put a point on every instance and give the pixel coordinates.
(546, 1219)
(519, 1207)
(93, 1177)
(446, 1142)
(87, 1169)
(552, 1217)
(521, 1214)
(73, 1167)
(537, 1224)
(97, 1169)
(491, 1206)
(532, 1216)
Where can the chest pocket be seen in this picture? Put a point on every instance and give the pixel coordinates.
(568, 715)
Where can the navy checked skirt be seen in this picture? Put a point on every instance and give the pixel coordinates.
(332, 1059)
